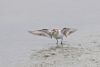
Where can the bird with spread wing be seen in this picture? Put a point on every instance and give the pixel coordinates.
(54, 33)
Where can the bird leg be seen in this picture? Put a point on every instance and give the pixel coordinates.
(57, 43)
(62, 42)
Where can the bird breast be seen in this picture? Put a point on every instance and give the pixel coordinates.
(57, 34)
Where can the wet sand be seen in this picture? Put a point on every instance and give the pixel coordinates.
(84, 53)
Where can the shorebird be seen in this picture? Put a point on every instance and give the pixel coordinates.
(54, 33)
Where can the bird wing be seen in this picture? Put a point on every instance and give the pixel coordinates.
(42, 32)
(67, 31)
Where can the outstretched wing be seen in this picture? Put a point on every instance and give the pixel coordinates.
(67, 31)
(42, 32)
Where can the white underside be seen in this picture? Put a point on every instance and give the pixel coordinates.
(59, 36)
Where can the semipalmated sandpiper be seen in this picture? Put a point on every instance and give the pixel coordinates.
(54, 33)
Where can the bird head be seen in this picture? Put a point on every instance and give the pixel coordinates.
(54, 31)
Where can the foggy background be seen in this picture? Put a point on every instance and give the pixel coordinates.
(19, 16)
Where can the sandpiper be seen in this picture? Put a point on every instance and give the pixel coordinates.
(54, 33)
